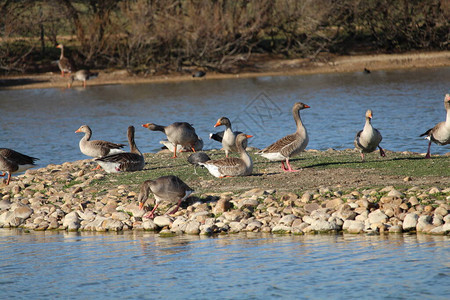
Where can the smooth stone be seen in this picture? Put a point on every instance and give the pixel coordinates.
(441, 211)
(410, 221)
(192, 227)
(281, 229)
(162, 221)
(112, 225)
(149, 225)
(287, 220)
(323, 226)
(396, 194)
(23, 212)
(234, 215)
(5, 204)
(236, 226)
(395, 229)
(255, 225)
(353, 226)
(333, 203)
(377, 217)
(222, 205)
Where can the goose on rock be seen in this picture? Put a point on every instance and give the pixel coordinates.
(64, 64)
(439, 134)
(14, 162)
(229, 136)
(178, 133)
(232, 166)
(166, 188)
(124, 161)
(368, 139)
(290, 145)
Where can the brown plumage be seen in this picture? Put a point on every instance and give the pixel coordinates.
(64, 63)
(14, 162)
(439, 134)
(81, 75)
(125, 161)
(368, 139)
(290, 145)
(166, 188)
(232, 166)
(178, 133)
(96, 148)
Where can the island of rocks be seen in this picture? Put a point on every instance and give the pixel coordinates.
(62, 197)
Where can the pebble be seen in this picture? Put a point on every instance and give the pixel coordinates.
(41, 200)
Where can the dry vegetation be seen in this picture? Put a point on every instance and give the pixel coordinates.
(151, 37)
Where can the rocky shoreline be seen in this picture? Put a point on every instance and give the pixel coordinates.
(62, 197)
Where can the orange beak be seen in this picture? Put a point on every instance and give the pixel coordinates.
(78, 130)
(248, 136)
(218, 124)
(145, 125)
(307, 106)
(59, 46)
(141, 205)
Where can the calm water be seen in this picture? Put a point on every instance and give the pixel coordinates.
(49, 265)
(42, 122)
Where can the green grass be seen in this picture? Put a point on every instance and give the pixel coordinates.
(268, 174)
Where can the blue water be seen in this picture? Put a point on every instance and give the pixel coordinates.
(44, 265)
(405, 103)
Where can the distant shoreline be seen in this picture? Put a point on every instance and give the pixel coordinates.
(257, 67)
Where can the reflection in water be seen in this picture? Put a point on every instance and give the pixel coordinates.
(405, 104)
(141, 264)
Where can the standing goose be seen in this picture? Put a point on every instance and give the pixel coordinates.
(232, 166)
(196, 158)
(96, 148)
(178, 133)
(290, 145)
(124, 161)
(81, 75)
(166, 188)
(63, 63)
(14, 162)
(368, 139)
(440, 134)
(229, 136)
(198, 146)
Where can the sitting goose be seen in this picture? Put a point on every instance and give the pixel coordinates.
(63, 63)
(81, 75)
(124, 161)
(178, 133)
(96, 148)
(368, 139)
(14, 162)
(166, 188)
(229, 136)
(440, 134)
(232, 166)
(290, 145)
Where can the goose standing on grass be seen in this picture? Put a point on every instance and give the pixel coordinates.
(232, 166)
(198, 146)
(229, 136)
(290, 145)
(196, 158)
(14, 162)
(166, 188)
(63, 63)
(368, 139)
(178, 133)
(124, 161)
(81, 75)
(439, 134)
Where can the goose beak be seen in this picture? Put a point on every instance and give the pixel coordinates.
(218, 124)
(307, 106)
(141, 205)
(248, 136)
(78, 130)
(145, 125)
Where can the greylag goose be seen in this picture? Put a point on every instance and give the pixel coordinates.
(440, 134)
(96, 148)
(198, 146)
(166, 188)
(368, 139)
(229, 136)
(196, 158)
(63, 63)
(290, 145)
(232, 166)
(178, 133)
(14, 162)
(81, 75)
(124, 161)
